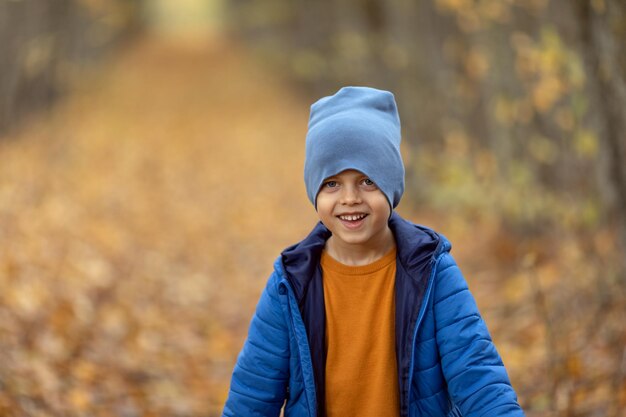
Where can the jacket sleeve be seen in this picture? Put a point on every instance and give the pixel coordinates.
(477, 380)
(259, 381)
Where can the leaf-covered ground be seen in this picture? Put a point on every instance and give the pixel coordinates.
(139, 219)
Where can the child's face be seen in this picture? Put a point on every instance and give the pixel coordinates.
(354, 209)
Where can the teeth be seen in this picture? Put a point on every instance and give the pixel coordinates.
(352, 217)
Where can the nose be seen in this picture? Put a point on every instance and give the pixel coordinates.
(350, 195)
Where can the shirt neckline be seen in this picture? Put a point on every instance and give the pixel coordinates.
(329, 263)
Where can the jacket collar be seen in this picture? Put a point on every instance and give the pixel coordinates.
(415, 245)
(300, 261)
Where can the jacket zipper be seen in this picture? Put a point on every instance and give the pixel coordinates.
(289, 295)
(420, 317)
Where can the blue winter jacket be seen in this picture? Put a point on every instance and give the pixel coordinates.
(447, 363)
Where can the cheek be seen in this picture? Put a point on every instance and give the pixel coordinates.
(384, 211)
(381, 206)
(324, 208)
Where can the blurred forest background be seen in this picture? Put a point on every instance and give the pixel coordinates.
(150, 160)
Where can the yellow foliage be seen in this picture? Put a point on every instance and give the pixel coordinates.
(396, 56)
(485, 165)
(38, 54)
(516, 288)
(307, 64)
(470, 21)
(548, 69)
(474, 15)
(79, 399)
(546, 93)
(510, 111)
(454, 5)
(599, 6)
(523, 111)
(549, 274)
(586, 143)
(495, 10)
(535, 6)
(565, 119)
(457, 143)
(503, 111)
(519, 174)
(604, 242)
(542, 149)
(95, 6)
(351, 45)
(476, 64)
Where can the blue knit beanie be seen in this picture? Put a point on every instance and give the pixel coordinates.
(357, 128)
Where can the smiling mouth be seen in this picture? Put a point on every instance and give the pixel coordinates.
(352, 217)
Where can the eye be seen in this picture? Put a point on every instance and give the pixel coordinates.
(330, 184)
(368, 184)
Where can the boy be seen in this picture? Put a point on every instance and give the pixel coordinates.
(368, 315)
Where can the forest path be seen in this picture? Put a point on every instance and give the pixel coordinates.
(139, 220)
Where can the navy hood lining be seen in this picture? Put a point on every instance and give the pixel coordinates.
(301, 260)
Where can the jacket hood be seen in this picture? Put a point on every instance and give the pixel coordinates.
(300, 261)
(415, 245)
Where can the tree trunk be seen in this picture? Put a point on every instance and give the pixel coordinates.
(602, 47)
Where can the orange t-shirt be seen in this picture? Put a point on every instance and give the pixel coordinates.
(361, 369)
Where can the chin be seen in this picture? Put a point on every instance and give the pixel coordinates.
(352, 240)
